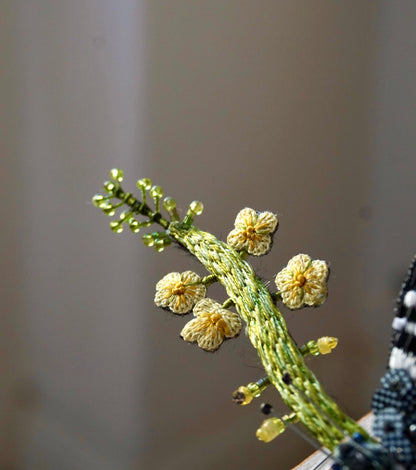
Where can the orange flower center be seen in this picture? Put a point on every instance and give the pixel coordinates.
(179, 289)
(300, 280)
(218, 322)
(250, 233)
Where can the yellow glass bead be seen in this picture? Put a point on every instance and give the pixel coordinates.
(243, 396)
(117, 174)
(196, 207)
(148, 240)
(109, 186)
(326, 344)
(156, 192)
(144, 183)
(270, 429)
(116, 226)
(97, 200)
(169, 204)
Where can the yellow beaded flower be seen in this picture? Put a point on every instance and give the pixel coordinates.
(179, 291)
(252, 231)
(211, 325)
(303, 282)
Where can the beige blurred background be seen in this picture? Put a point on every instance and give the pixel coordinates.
(303, 108)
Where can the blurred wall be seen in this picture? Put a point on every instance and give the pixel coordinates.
(301, 108)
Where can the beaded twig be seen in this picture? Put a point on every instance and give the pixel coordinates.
(302, 282)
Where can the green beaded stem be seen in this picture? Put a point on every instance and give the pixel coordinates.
(266, 327)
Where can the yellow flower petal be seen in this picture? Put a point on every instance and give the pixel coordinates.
(245, 218)
(303, 282)
(299, 263)
(266, 222)
(211, 325)
(179, 291)
(252, 231)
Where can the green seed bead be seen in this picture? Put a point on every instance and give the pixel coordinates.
(148, 240)
(97, 200)
(196, 207)
(159, 245)
(109, 186)
(156, 192)
(144, 183)
(167, 241)
(108, 209)
(169, 204)
(125, 216)
(103, 204)
(313, 348)
(134, 225)
(116, 226)
(117, 174)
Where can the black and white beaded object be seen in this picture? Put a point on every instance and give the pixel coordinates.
(392, 427)
(397, 391)
(394, 403)
(403, 352)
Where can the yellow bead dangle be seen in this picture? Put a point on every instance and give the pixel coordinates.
(246, 393)
(195, 208)
(323, 345)
(270, 429)
(273, 427)
(170, 207)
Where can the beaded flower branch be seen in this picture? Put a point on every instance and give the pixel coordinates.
(301, 283)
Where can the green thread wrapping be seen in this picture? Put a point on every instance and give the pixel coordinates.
(268, 334)
(265, 325)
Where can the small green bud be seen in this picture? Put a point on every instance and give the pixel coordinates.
(116, 226)
(148, 239)
(108, 209)
(159, 245)
(125, 216)
(97, 200)
(169, 204)
(109, 186)
(144, 184)
(117, 175)
(156, 192)
(134, 225)
(196, 207)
